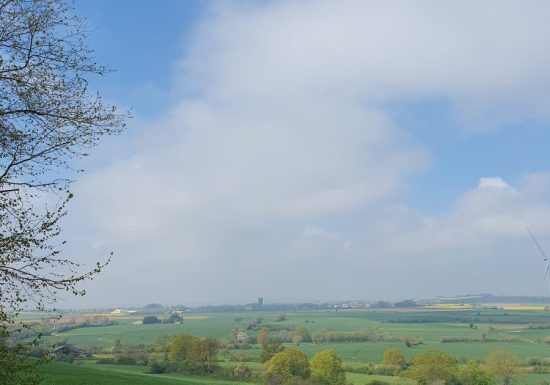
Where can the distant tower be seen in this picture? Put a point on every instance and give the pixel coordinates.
(260, 301)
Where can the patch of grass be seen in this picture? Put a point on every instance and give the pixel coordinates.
(67, 374)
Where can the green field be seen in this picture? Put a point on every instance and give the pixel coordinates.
(67, 374)
(490, 328)
(429, 326)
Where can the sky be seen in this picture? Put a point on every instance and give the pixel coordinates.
(317, 150)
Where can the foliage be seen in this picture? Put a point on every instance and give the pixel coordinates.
(243, 373)
(173, 318)
(262, 336)
(15, 368)
(474, 374)
(150, 319)
(300, 334)
(47, 118)
(288, 363)
(323, 335)
(191, 354)
(503, 364)
(156, 367)
(203, 352)
(180, 347)
(432, 365)
(326, 367)
(89, 323)
(410, 341)
(270, 345)
(377, 382)
(394, 357)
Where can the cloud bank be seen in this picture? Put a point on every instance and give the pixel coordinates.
(279, 169)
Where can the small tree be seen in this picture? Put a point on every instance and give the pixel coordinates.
(288, 363)
(431, 366)
(203, 352)
(326, 367)
(272, 347)
(150, 319)
(300, 334)
(180, 348)
(319, 336)
(394, 357)
(503, 364)
(262, 336)
(474, 374)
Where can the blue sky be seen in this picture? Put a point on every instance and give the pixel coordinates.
(141, 41)
(315, 138)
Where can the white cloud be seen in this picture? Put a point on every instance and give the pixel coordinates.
(279, 175)
(493, 182)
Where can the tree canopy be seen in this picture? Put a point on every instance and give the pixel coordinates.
(48, 118)
(290, 362)
(432, 366)
(326, 367)
(503, 364)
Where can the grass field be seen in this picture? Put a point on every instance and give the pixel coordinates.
(429, 326)
(507, 329)
(67, 374)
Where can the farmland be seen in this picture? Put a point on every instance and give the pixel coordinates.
(468, 334)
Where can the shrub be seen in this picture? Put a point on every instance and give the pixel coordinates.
(156, 367)
(377, 382)
(150, 319)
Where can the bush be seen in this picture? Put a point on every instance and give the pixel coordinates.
(243, 373)
(156, 367)
(173, 318)
(150, 319)
(377, 382)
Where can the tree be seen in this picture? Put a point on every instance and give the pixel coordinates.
(203, 352)
(173, 318)
(326, 367)
(288, 363)
(161, 345)
(503, 364)
(320, 336)
(270, 346)
(47, 119)
(180, 347)
(474, 374)
(394, 357)
(269, 349)
(262, 336)
(432, 366)
(150, 319)
(300, 334)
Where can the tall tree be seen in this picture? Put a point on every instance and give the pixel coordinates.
(503, 364)
(326, 367)
(288, 363)
(48, 118)
(203, 352)
(432, 366)
(394, 357)
(474, 374)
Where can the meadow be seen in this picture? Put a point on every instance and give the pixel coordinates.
(465, 333)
